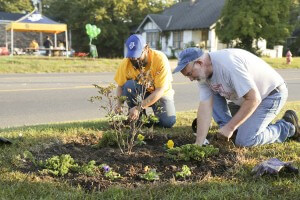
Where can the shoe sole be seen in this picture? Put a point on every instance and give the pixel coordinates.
(297, 134)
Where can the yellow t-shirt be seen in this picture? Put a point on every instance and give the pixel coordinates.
(157, 72)
(34, 45)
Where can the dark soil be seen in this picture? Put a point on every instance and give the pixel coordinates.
(153, 155)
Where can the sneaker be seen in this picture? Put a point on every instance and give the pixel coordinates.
(4, 141)
(291, 116)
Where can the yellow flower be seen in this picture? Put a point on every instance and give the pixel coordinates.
(170, 144)
(146, 168)
(140, 137)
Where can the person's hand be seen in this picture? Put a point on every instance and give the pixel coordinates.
(118, 109)
(134, 113)
(226, 132)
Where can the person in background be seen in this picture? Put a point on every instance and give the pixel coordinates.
(289, 58)
(33, 46)
(143, 63)
(241, 77)
(61, 45)
(48, 44)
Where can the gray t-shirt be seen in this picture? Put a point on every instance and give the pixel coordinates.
(235, 72)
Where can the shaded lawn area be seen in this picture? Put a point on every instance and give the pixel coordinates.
(43, 64)
(231, 179)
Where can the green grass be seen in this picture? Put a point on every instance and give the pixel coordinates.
(33, 64)
(280, 63)
(240, 184)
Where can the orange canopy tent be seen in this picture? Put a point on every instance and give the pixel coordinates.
(36, 22)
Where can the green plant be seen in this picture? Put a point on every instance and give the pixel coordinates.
(88, 169)
(140, 140)
(109, 173)
(189, 152)
(124, 130)
(59, 165)
(184, 172)
(28, 155)
(108, 139)
(150, 175)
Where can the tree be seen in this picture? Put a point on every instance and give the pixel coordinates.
(117, 19)
(294, 45)
(244, 21)
(16, 6)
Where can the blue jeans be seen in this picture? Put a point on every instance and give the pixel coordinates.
(164, 108)
(257, 129)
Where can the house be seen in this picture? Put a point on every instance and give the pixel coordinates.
(188, 23)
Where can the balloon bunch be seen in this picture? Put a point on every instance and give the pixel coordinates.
(93, 31)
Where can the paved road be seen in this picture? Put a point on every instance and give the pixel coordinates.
(47, 98)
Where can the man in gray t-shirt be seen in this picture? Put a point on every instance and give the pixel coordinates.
(236, 75)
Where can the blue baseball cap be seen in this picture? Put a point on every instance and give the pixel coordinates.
(186, 56)
(135, 45)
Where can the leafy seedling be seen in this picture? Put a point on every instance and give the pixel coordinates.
(184, 172)
(150, 175)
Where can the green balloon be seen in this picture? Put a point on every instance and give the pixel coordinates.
(92, 31)
(88, 26)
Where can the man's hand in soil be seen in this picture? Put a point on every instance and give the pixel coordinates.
(134, 113)
(226, 132)
(118, 109)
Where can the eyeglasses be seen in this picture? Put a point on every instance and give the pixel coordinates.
(191, 71)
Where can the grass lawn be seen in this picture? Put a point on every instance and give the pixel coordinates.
(32, 64)
(43, 64)
(237, 182)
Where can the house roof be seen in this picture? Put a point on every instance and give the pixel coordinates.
(4, 16)
(187, 16)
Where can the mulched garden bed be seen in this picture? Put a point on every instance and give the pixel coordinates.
(153, 155)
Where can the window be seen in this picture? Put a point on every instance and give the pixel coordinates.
(153, 39)
(177, 39)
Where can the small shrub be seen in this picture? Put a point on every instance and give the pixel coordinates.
(192, 152)
(125, 131)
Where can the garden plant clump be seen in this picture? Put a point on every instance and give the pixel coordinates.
(192, 152)
(123, 131)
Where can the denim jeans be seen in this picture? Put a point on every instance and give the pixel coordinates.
(164, 108)
(257, 129)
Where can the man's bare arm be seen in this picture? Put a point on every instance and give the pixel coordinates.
(252, 100)
(153, 97)
(204, 116)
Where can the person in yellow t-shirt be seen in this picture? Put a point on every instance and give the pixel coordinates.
(145, 68)
(34, 46)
